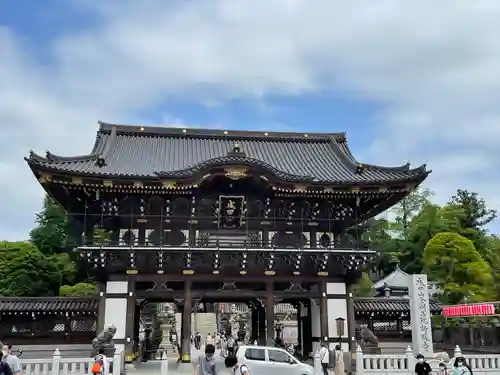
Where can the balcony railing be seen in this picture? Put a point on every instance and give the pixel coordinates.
(223, 242)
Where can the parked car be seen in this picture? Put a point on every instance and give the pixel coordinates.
(264, 360)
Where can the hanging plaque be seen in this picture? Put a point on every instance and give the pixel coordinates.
(230, 211)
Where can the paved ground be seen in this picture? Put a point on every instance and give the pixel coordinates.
(47, 351)
(153, 367)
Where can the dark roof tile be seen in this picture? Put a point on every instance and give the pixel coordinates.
(386, 305)
(48, 304)
(127, 151)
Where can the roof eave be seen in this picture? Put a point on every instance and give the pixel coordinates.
(48, 167)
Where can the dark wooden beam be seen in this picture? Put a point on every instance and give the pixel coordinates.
(151, 277)
(223, 295)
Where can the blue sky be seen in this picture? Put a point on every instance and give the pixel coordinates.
(417, 82)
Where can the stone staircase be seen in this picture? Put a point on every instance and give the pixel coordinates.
(205, 323)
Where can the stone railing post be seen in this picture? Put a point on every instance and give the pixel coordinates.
(457, 352)
(410, 360)
(56, 360)
(360, 363)
(117, 362)
(164, 363)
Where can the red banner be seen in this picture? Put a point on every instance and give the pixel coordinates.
(469, 310)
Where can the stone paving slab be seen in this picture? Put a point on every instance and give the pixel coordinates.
(174, 368)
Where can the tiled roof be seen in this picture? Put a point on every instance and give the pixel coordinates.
(48, 304)
(152, 152)
(396, 279)
(390, 304)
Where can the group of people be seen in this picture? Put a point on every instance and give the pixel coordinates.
(9, 364)
(460, 367)
(224, 342)
(208, 366)
(338, 359)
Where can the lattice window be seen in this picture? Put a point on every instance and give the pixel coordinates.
(83, 325)
(59, 327)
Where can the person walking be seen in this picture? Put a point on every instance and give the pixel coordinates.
(230, 345)
(422, 367)
(324, 356)
(339, 368)
(461, 368)
(231, 362)
(100, 363)
(207, 365)
(10, 360)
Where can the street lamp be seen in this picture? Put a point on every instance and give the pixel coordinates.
(340, 327)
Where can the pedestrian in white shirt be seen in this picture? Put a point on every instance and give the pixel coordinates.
(324, 356)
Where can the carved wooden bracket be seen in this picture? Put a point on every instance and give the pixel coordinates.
(293, 288)
(228, 286)
(160, 286)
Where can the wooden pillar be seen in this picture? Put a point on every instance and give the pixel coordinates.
(300, 322)
(137, 326)
(186, 323)
(129, 329)
(351, 320)
(255, 324)
(323, 312)
(399, 326)
(89, 232)
(307, 331)
(261, 313)
(270, 313)
(101, 317)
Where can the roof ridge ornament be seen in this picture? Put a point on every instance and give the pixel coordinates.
(236, 151)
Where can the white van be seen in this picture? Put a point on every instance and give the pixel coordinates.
(264, 360)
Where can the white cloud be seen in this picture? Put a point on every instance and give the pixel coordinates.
(433, 66)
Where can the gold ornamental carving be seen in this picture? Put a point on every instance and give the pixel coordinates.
(108, 183)
(77, 180)
(235, 173)
(45, 177)
(300, 187)
(168, 184)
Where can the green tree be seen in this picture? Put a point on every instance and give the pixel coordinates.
(79, 290)
(408, 208)
(26, 272)
(51, 234)
(477, 215)
(492, 244)
(453, 262)
(477, 212)
(364, 286)
(66, 265)
(52, 237)
(431, 220)
(101, 236)
(377, 233)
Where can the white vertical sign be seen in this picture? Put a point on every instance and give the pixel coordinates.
(420, 314)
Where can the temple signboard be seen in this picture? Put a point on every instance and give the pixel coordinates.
(420, 315)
